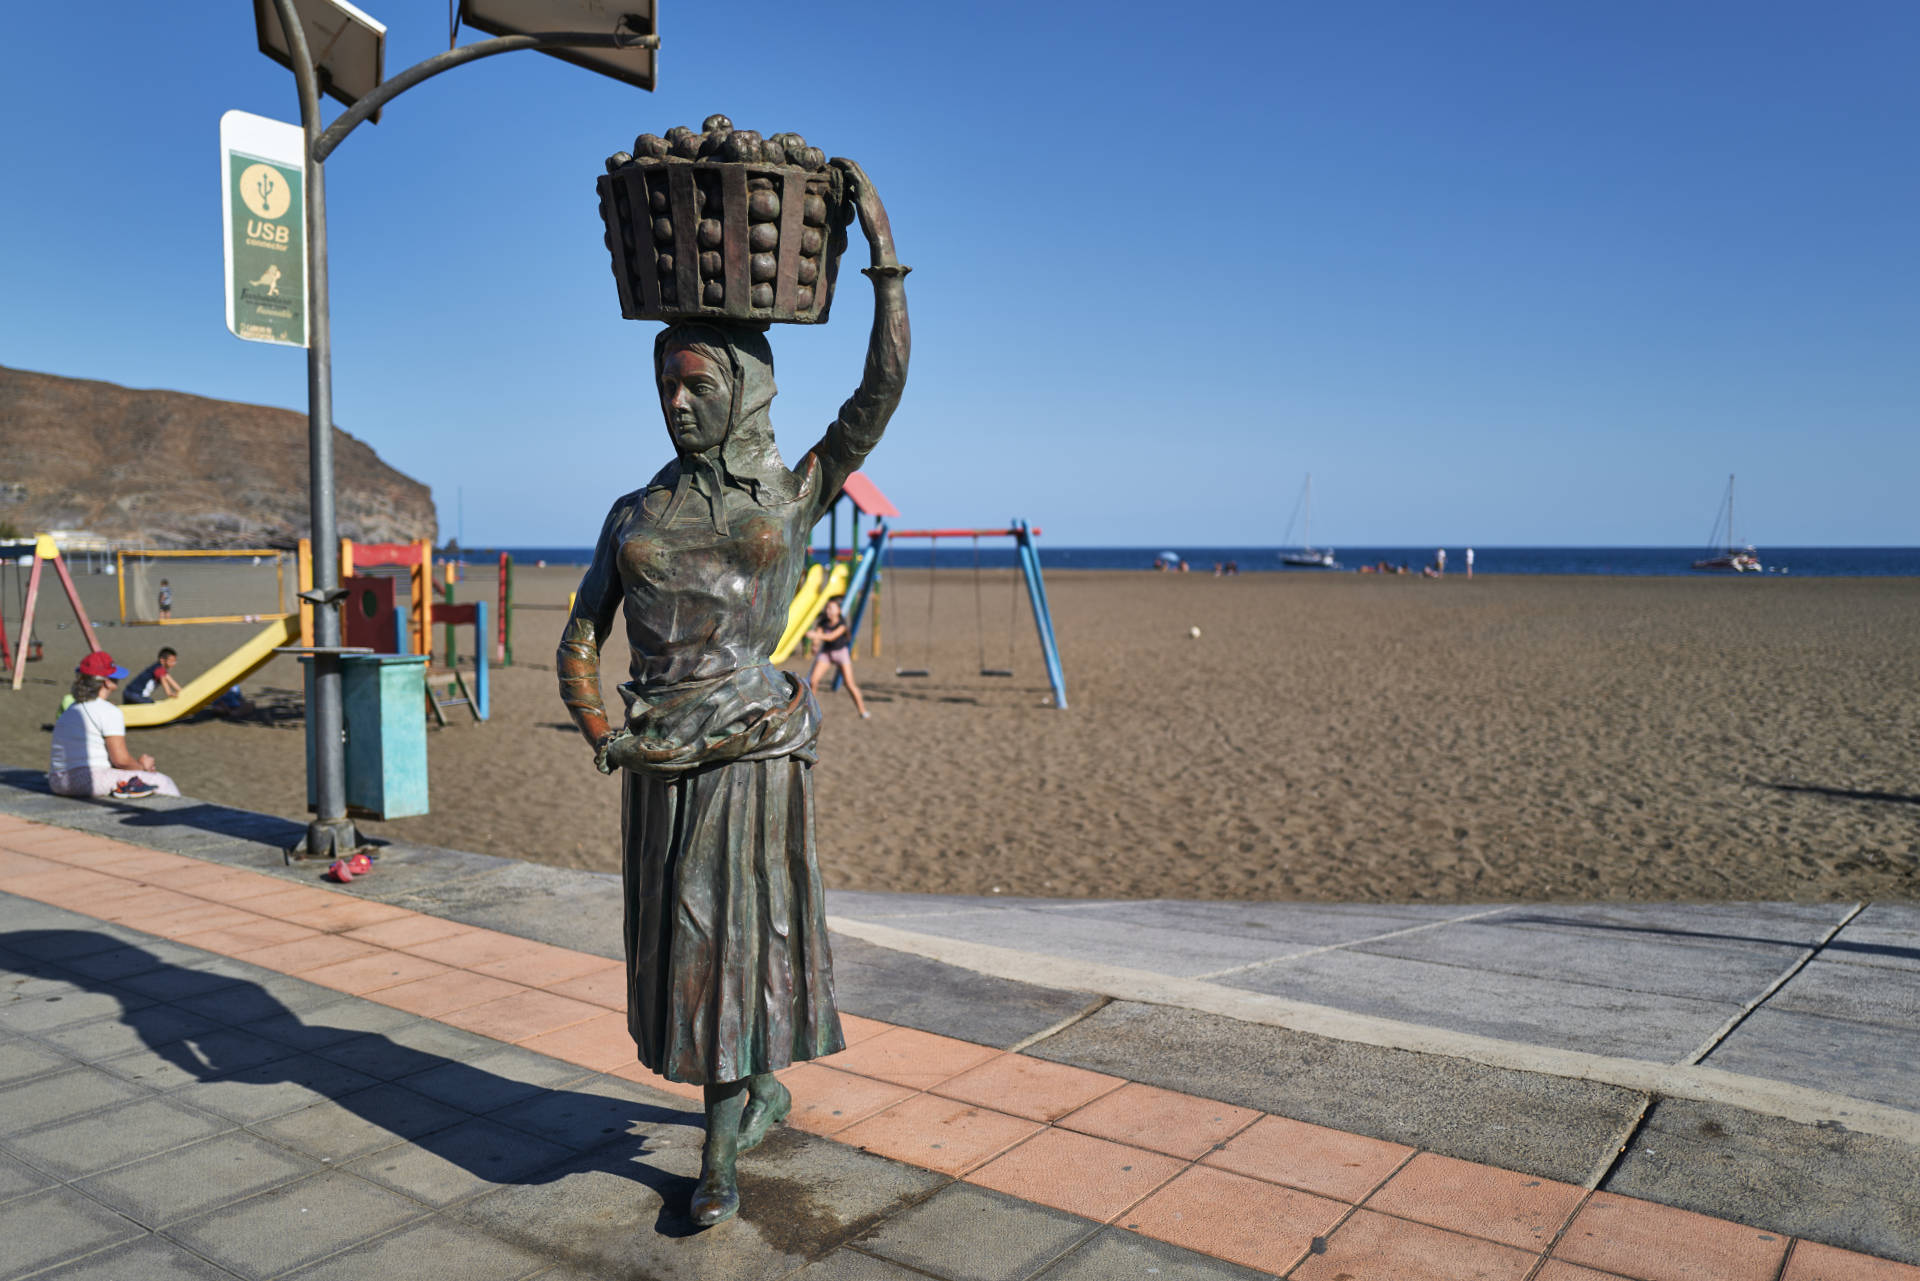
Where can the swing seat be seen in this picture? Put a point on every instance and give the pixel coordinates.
(996, 671)
(911, 671)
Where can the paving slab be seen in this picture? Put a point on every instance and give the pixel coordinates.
(49, 1227)
(274, 1089)
(221, 1052)
(1884, 995)
(407, 1050)
(1178, 951)
(1631, 962)
(1114, 1255)
(846, 1265)
(60, 1095)
(1708, 924)
(18, 1178)
(1861, 1060)
(913, 991)
(149, 1258)
(1511, 1007)
(966, 1233)
(39, 1014)
(1288, 926)
(1884, 934)
(1825, 1183)
(494, 1079)
(116, 1136)
(475, 1156)
(105, 1038)
(194, 1179)
(20, 1060)
(266, 1235)
(433, 1247)
(352, 1125)
(1548, 1126)
(621, 1212)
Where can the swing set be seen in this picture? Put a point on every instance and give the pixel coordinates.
(874, 563)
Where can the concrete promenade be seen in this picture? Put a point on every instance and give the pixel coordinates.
(212, 1066)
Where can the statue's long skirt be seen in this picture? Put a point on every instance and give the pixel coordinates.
(728, 970)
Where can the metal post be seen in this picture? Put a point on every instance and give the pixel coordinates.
(330, 831)
(1042, 616)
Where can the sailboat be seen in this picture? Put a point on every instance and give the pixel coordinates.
(1307, 556)
(1730, 557)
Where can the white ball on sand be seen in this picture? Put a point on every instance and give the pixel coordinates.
(1194, 632)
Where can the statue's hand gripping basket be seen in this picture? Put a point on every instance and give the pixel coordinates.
(725, 225)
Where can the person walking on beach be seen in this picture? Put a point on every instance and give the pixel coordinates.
(833, 643)
(1440, 563)
(89, 755)
(1469, 564)
(166, 599)
(155, 677)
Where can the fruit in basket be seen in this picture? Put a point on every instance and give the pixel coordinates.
(618, 160)
(715, 295)
(763, 206)
(657, 200)
(712, 144)
(762, 296)
(648, 147)
(716, 121)
(815, 158)
(664, 264)
(810, 241)
(803, 298)
(814, 211)
(764, 268)
(687, 146)
(809, 271)
(710, 233)
(711, 263)
(764, 238)
(663, 230)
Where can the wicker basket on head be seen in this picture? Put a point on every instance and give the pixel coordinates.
(725, 226)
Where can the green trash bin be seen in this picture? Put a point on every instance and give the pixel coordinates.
(384, 698)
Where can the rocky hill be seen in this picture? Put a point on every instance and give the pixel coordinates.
(173, 470)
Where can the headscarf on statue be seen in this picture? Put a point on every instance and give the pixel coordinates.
(748, 460)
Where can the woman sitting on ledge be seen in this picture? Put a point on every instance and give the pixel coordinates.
(90, 756)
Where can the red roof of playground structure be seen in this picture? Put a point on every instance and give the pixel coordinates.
(867, 497)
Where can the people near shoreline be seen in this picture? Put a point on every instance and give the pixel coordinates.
(155, 680)
(1440, 563)
(166, 599)
(833, 648)
(89, 756)
(1469, 562)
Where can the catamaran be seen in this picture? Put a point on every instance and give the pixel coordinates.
(1307, 556)
(1730, 557)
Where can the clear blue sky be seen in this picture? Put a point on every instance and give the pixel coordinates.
(1500, 273)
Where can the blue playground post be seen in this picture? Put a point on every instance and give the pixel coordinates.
(1042, 616)
(866, 573)
(480, 648)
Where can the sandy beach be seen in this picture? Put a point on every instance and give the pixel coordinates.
(1331, 737)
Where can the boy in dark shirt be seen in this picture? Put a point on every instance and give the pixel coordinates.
(154, 676)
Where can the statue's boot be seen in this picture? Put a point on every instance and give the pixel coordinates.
(768, 1103)
(717, 1196)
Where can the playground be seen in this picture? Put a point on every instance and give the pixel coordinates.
(1567, 775)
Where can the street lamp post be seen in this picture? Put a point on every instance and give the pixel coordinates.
(331, 832)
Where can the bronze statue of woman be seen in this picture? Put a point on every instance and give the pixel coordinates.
(728, 972)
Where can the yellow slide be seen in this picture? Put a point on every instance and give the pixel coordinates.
(219, 678)
(807, 604)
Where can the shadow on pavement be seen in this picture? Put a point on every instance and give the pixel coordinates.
(262, 1042)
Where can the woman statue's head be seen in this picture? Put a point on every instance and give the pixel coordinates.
(716, 384)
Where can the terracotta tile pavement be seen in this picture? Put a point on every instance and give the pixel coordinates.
(444, 993)
(1380, 1248)
(1235, 1218)
(1077, 1173)
(910, 1057)
(1652, 1242)
(522, 1015)
(1237, 1184)
(827, 1100)
(601, 1042)
(1163, 1120)
(1032, 1088)
(1813, 1262)
(1330, 1162)
(1479, 1200)
(938, 1134)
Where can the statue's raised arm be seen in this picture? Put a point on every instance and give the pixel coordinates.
(863, 418)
